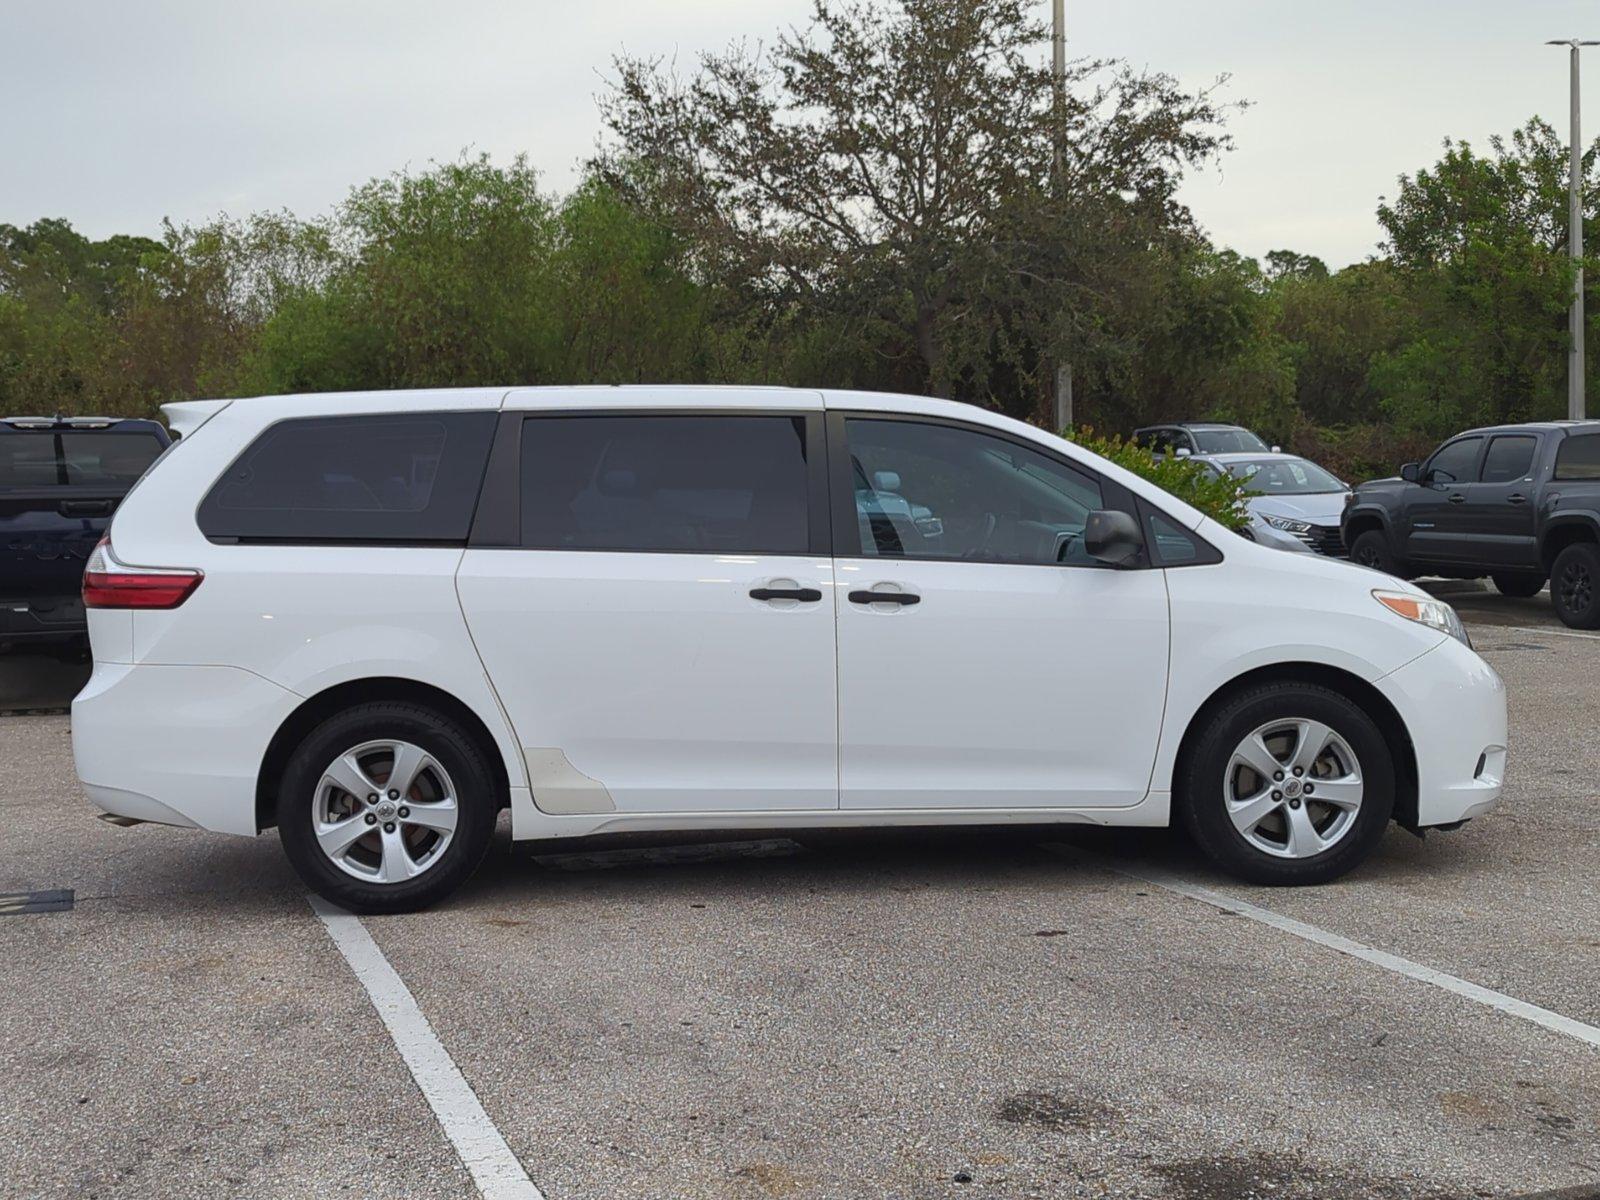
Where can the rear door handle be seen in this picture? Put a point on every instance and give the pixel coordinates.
(902, 598)
(1457, 498)
(804, 594)
(1516, 498)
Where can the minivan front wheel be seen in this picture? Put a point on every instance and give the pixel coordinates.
(1288, 783)
(386, 807)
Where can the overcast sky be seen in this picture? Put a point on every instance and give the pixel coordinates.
(121, 112)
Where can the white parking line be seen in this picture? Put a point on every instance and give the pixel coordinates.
(1571, 633)
(1509, 1005)
(483, 1151)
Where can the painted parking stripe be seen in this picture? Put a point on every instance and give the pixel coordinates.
(1509, 1005)
(483, 1151)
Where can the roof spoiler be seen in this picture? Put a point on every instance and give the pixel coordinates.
(185, 416)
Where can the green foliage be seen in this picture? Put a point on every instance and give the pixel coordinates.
(1220, 497)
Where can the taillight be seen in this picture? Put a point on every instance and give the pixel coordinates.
(109, 584)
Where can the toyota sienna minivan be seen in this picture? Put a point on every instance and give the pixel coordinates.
(375, 620)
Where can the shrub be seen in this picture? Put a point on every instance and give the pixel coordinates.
(1220, 498)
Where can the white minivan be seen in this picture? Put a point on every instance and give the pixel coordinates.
(374, 620)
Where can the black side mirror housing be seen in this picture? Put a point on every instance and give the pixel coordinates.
(1112, 537)
(1411, 472)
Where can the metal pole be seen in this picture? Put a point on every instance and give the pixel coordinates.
(1575, 364)
(1058, 46)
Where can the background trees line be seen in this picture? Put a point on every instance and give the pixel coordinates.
(888, 199)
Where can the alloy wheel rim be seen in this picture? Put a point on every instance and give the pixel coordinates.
(1368, 557)
(1577, 588)
(384, 811)
(1293, 788)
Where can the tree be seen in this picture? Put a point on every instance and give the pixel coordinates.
(1479, 241)
(887, 174)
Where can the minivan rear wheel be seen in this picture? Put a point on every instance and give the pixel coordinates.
(1288, 783)
(386, 807)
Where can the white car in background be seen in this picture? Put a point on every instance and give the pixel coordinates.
(375, 620)
(1289, 494)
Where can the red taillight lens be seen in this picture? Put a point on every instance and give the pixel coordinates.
(109, 584)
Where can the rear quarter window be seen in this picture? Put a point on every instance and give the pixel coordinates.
(411, 477)
(1579, 457)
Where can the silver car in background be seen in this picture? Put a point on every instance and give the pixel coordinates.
(1291, 496)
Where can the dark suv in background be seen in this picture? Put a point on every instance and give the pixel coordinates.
(61, 478)
(1518, 503)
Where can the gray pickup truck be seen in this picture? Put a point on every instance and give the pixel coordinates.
(1517, 503)
(61, 478)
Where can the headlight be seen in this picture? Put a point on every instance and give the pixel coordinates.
(1425, 610)
(1285, 524)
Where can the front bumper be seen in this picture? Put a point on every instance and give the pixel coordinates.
(176, 745)
(1454, 706)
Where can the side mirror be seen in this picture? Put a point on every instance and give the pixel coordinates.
(1411, 472)
(1111, 536)
(1277, 449)
(1184, 452)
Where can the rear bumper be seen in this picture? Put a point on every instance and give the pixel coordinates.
(41, 620)
(1454, 706)
(176, 745)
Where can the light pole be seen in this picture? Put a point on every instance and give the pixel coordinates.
(1575, 365)
(1058, 54)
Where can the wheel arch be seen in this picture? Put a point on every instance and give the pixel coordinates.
(313, 711)
(1373, 702)
(1562, 532)
(1364, 520)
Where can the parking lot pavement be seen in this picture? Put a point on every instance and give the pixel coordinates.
(850, 1016)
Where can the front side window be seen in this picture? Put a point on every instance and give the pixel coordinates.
(1456, 462)
(1579, 457)
(410, 477)
(943, 492)
(685, 484)
(1509, 458)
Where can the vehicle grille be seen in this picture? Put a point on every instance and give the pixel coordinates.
(1324, 539)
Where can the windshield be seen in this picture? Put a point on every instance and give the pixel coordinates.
(1284, 477)
(1226, 441)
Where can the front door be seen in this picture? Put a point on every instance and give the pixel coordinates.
(984, 660)
(660, 628)
(1435, 510)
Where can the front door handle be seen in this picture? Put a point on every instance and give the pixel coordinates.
(1516, 498)
(1457, 498)
(903, 598)
(804, 594)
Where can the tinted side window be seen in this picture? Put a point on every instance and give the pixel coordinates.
(1508, 458)
(1579, 457)
(936, 491)
(691, 484)
(1456, 462)
(410, 477)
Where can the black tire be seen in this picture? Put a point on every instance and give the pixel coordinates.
(1372, 549)
(476, 795)
(1575, 585)
(1519, 586)
(1205, 776)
